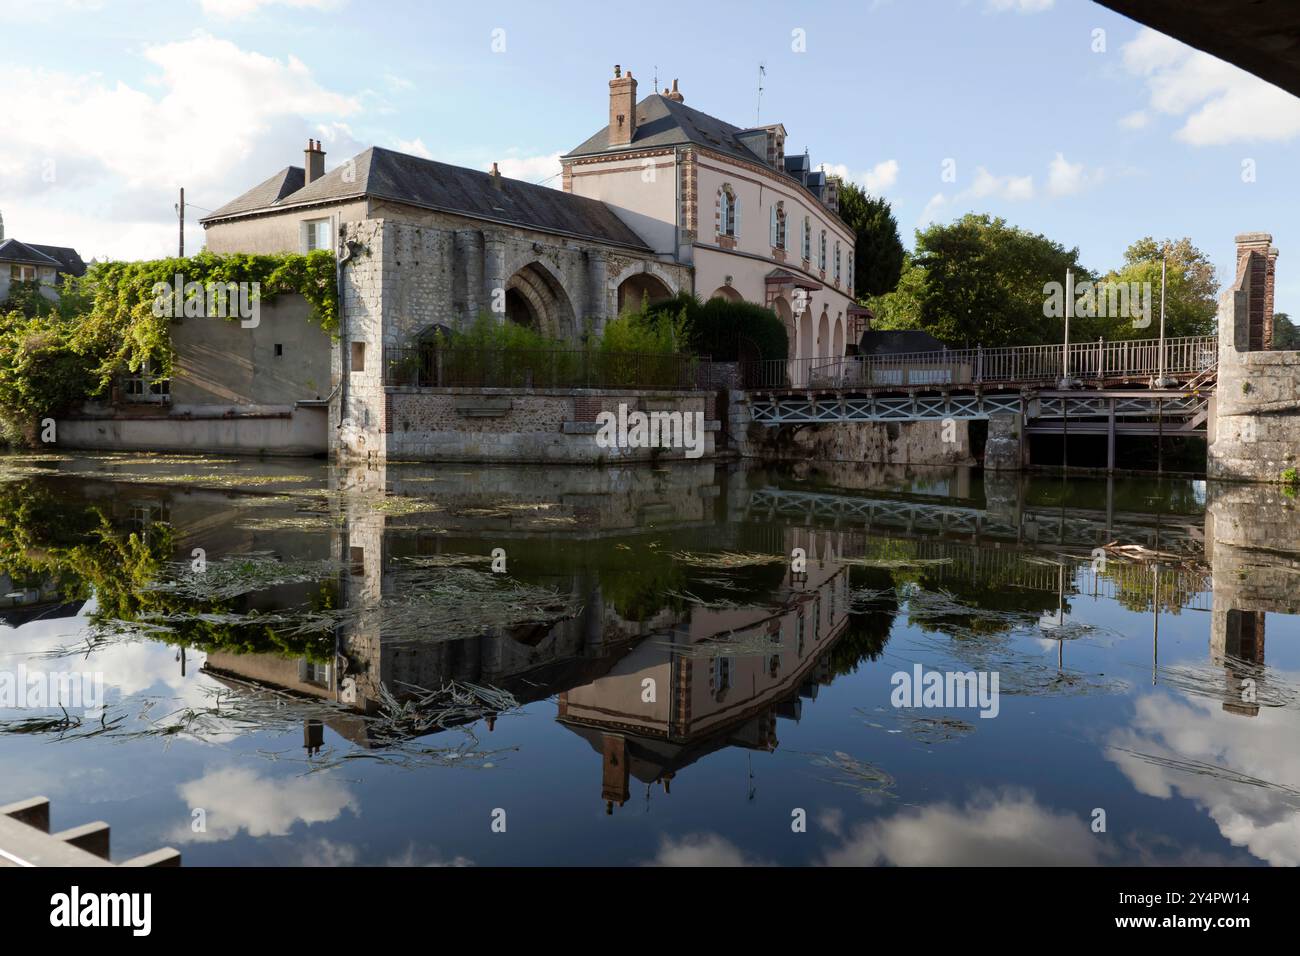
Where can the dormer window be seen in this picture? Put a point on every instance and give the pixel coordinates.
(778, 226)
(728, 212)
(807, 239)
(821, 252)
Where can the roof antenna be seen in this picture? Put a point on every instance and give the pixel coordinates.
(655, 86)
(762, 72)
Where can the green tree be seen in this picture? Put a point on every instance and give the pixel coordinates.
(878, 250)
(979, 281)
(1191, 292)
(1286, 335)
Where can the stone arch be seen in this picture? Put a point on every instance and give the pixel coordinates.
(641, 285)
(783, 312)
(823, 335)
(807, 346)
(535, 297)
(728, 293)
(837, 337)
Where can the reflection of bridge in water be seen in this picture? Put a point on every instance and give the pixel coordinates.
(1076, 528)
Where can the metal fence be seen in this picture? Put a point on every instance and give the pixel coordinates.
(1101, 360)
(550, 368)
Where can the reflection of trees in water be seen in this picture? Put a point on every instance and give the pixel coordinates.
(1136, 587)
(868, 628)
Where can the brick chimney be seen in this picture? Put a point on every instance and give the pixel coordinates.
(1257, 255)
(313, 162)
(622, 108)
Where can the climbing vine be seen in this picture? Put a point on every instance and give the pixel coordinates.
(110, 322)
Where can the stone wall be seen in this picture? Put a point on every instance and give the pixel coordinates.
(917, 443)
(1256, 428)
(535, 425)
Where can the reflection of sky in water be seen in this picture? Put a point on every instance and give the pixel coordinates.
(1181, 777)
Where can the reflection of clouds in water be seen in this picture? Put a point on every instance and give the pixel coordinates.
(1198, 732)
(700, 849)
(1008, 828)
(238, 799)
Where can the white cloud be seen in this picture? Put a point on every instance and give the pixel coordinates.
(1221, 103)
(238, 799)
(1010, 188)
(701, 849)
(1019, 6)
(1219, 753)
(96, 164)
(1135, 120)
(533, 169)
(875, 180)
(1009, 828)
(1065, 178)
(415, 147)
(238, 9)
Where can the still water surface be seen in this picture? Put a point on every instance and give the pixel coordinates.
(306, 664)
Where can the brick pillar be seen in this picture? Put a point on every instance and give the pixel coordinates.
(1256, 256)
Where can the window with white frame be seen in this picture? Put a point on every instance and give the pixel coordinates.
(22, 273)
(778, 226)
(837, 262)
(850, 282)
(316, 235)
(807, 239)
(728, 212)
(821, 252)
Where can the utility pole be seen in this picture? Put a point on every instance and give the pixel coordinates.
(1160, 382)
(758, 112)
(1065, 348)
(180, 222)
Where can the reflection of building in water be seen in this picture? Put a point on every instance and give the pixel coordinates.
(1252, 534)
(719, 679)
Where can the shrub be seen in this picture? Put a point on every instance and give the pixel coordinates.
(719, 328)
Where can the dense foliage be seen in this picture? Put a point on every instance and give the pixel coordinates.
(53, 356)
(720, 328)
(878, 250)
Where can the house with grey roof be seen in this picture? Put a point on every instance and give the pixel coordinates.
(751, 222)
(33, 262)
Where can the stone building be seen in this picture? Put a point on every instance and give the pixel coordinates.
(30, 262)
(750, 221)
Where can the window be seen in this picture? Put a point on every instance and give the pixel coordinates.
(279, 350)
(837, 262)
(316, 235)
(22, 273)
(850, 282)
(798, 631)
(821, 252)
(728, 212)
(778, 226)
(807, 239)
(358, 356)
(721, 678)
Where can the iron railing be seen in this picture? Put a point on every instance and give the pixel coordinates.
(548, 368)
(1012, 365)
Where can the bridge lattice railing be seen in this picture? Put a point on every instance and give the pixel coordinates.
(1021, 364)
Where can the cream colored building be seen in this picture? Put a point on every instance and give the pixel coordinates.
(751, 222)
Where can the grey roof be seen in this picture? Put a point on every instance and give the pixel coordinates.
(68, 258)
(387, 174)
(663, 122)
(11, 250)
(898, 342)
(287, 181)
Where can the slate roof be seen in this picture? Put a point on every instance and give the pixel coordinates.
(11, 250)
(68, 258)
(386, 174)
(663, 122)
(898, 342)
(287, 181)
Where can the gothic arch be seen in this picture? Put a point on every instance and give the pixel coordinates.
(536, 298)
(632, 289)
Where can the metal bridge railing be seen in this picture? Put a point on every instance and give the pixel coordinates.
(1020, 364)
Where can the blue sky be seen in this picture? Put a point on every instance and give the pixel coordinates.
(1095, 139)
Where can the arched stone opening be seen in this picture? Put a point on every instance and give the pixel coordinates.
(807, 347)
(837, 342)
(641, 287)
(728, 293)
(823, 336)
(535, 299)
